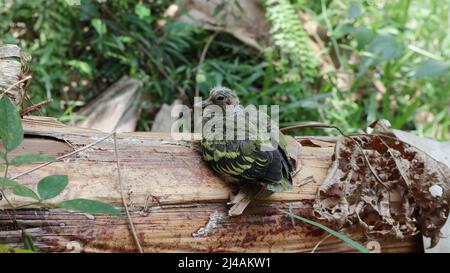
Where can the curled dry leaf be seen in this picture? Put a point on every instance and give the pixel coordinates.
(387, 186)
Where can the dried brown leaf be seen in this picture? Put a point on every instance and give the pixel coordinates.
(413, 196)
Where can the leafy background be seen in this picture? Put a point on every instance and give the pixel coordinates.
(405, 44)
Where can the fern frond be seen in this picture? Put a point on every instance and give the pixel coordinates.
(297, 61)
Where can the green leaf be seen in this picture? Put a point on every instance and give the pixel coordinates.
(11, 131)
(355, 10)
(200, 77)
(18, 189)
(141, 11)
(31, 158)
(432, 68)
(3, 156)
(8, 249)
(81, 66)
(90, 206)
(52, 185)
(371, 108)
(28, 242)
(343, 29)
(363, 36)
(99, 26)
(386, 47)
(2, 168)
(344, 238)
(408, 112)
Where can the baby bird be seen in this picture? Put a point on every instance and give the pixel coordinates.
(246, 160)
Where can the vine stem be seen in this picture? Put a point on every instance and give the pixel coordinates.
(6, 163)
(312, 125)
(3, 195)
(119, 176)
(322, 125)
(2, 192)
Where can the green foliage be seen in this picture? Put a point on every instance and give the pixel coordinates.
(51, 186)
(296, 57)
(432, 68)
(11, 131)
(31, 158)
(142, 11)
(18, 189)
(90, 206)
(393, 44)
(28, 242)
(78, 51)
(8, 249)
(355, 10)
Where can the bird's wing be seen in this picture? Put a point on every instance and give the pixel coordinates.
(244, 160)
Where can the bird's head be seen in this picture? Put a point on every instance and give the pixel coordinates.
(221, 96)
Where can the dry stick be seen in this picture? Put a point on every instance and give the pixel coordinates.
(31, 102)
(61, 157)
(312, 125)
(202, 58)
(24, 90)
(320, 242)
(36, 107)
(130, 221)
(321, 125)
(16, 83)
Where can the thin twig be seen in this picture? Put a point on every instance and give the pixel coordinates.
(25, 87)
(31, 102)
(203, 56)
(320, 242)
(16, 83)
(130, 221)
(35, 107)
(61, 157)
(311, 125)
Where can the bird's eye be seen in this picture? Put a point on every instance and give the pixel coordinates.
(219, 98)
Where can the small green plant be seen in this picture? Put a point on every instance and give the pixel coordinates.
(338, 235)
(296, 56)
(11, 134)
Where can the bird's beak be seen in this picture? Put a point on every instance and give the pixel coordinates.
(203, 103)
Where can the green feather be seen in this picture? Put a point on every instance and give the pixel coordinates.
(245, 161)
